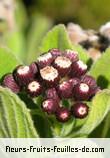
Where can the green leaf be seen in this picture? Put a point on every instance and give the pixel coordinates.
(82, 54)
(16, 42)
(104, 129)
(67, 128)
(35, 35)
(101, 70)
(100, 106)
(15, 120)
(7, 61)
(58, 38)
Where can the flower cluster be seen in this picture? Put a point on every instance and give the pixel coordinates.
(58, 76)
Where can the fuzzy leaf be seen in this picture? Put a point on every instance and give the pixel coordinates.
(7, 61)
(100, 106)
(101, 70)
(58, 38)
(15, 120)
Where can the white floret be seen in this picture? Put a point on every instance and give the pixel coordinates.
(82, 65)
(33, 86)
(23, 70)
(63, 62)
(49, 73)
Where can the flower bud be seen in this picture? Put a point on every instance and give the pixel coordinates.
(44, 60)
(92, 84)
(72, 55)
(79, 110)
(34, 88)
(65, 89)
(78, 69)
(55, 53)
(63, 65)
(74, 81)
(52, 94)
(34, 68)
(49, 75)
(89, 80)
(82, 91)
(50, 106)
(23, 75)
(10, 83)
(63, 114)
